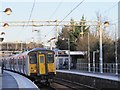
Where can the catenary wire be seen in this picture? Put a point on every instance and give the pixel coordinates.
(69, 13)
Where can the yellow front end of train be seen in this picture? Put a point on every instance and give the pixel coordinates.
(42, 66)
(51, 68)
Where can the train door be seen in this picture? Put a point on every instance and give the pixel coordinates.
(41, 62)
(23, 64)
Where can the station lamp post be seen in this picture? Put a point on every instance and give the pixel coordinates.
(116, 58)
(68, 52)
(89, 51)
(94, 52)
(6, 25)
(50, 42)
(8, 12)
(101, 51)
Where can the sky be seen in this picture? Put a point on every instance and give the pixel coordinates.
(59, 1)
(51, 10)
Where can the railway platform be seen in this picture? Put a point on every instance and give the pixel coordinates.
(0, 78)
(107, 76)
(90, 79)
(15, 81)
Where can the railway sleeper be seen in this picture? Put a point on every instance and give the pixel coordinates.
(73, 85)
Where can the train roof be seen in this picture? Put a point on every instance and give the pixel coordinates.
(37, 49)
(40, 49)
(27, 52)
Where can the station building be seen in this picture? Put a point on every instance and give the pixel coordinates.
(62, 58)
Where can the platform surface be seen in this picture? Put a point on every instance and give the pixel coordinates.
(97, 75)
(15, 81)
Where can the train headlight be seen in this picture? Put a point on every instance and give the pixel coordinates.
(35, 71)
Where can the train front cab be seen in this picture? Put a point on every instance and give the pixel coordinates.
(46, 66)
(42, 66)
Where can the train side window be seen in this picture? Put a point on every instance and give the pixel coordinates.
(60, 60)
(50, 58)
(20, 61)
(24, 60)
(66, 60)
(41, 59)
(9, 61)
(33, 59)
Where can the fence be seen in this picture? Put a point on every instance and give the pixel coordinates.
(107, 67)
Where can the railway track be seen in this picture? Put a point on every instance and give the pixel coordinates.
(73, 85)
(46, 87)
(53, 86)
(60, 84)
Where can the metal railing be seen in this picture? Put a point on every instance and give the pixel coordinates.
(107, 67)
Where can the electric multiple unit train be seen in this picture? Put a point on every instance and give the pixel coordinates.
(37, 64)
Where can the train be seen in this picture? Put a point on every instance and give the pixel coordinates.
(38, 64)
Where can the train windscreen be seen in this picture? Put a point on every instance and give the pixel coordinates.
(33, 58)
(50, 58)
